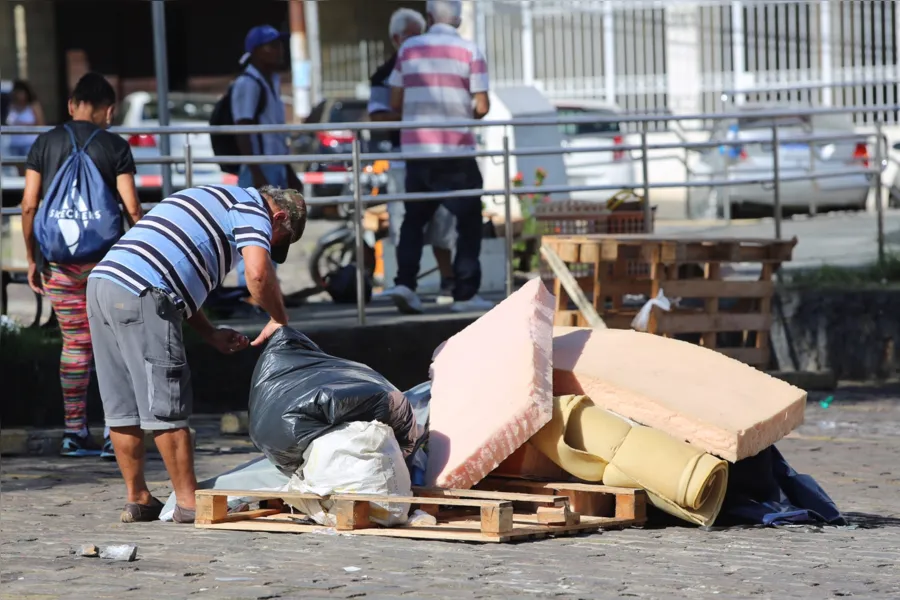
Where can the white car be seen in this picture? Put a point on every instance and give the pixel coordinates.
(754, 158)
(602, 167)
(141, 109)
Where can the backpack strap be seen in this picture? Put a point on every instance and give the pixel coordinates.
(86, 142)
(260, 103)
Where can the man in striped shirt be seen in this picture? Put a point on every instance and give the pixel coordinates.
(155, 276)
(440, 76)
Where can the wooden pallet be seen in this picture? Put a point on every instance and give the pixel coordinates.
(732, 317)
(462, 515)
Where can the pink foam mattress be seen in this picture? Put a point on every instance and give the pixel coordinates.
(491, 388)
(716, 403)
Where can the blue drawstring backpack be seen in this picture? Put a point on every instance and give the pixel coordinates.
(79, 219)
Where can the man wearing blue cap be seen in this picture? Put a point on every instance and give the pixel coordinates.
(255, 99)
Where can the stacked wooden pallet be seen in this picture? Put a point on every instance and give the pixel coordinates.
(731, 316)
(493, 514)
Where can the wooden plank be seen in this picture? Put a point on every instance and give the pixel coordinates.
(456, 531)
(552, 515)
(632, 506)
(559, 486)
(751, 356)
(765, 307)
(490, 495)
(289, 496)
(351, 515)
(572, 289)
(240, 516)
(673, 322)
(711, 305)
(210, 509)
(698, 288)
(496, 520)
(568, 251)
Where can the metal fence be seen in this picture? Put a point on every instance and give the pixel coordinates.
(676, 56)
(642, 122)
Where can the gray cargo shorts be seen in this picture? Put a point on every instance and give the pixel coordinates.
(139, 356)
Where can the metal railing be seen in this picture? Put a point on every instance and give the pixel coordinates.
(357, 157)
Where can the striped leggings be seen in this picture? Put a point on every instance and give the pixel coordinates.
(66, 288)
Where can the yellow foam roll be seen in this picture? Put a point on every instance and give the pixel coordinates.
(596, 445)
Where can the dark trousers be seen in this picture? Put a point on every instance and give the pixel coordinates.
(442, 175)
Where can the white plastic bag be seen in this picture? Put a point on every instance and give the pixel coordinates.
(642, 320)
(354, 458)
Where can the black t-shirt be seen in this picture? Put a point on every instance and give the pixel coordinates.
(379, 79)
(110, 153)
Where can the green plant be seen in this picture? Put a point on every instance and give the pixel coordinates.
(888, 272)
(528, 203)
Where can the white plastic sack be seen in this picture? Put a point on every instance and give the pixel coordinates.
(642, 320)
(354, 458)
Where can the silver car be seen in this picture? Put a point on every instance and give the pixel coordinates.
(753, 158)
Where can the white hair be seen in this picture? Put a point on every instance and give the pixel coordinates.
(403, 18)
(448, 12)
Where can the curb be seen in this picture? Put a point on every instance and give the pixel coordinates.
(811, 381)
(45, 442)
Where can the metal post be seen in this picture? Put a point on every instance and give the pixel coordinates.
(507, 215)
(776, 169)
(737, 50)
(188, 162)
(645, 169)
(300, 65)
(879, 189)
(314, 46)
(826, 50)
(527, 42)
(609, 52)
(162, 89)
(360, 249)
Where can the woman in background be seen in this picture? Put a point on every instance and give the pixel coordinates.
(24, 110)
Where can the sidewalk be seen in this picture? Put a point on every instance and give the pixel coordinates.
(51, 505)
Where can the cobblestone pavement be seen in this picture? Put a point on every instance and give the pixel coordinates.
(52, 505)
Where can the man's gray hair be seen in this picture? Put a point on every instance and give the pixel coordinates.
(291, 202)
(447, 12)
(402, 18)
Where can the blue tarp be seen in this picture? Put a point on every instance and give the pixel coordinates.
(765, 490)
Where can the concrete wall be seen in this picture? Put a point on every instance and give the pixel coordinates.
(40, 31)
(8, 69)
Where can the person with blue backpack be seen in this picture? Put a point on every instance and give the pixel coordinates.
(254, 98)
(77, 178)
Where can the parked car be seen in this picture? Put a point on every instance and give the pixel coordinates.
(754, 158)
(602, 167)
(334, 141)
(141, 109)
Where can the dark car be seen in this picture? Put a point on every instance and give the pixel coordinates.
(333, 141)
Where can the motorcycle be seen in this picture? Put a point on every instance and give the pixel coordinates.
(336, 250)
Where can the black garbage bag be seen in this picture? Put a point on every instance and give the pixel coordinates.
(299, 393)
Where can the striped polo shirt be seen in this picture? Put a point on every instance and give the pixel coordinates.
(439, 72)
(188, 243)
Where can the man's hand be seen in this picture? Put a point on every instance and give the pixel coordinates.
(34, 279)
(227, 341)
(270, 328)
